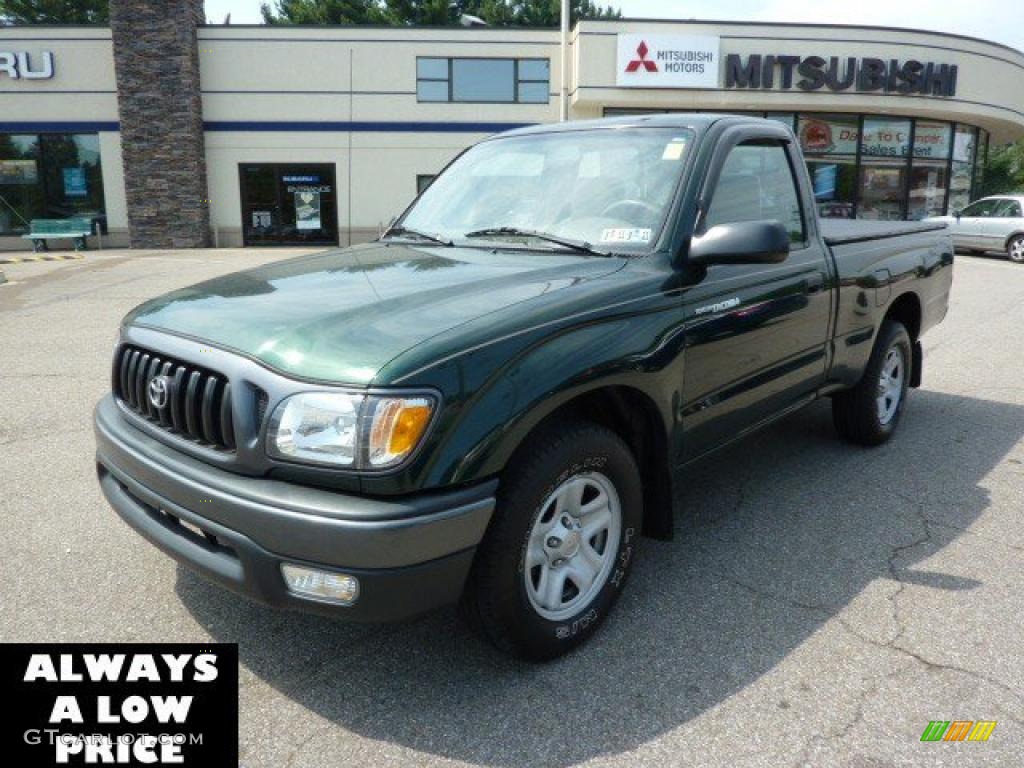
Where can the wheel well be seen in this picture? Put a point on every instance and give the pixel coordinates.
(635, 418)
(907, 310)
(1010, 238)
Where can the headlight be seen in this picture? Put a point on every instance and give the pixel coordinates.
(348, 430)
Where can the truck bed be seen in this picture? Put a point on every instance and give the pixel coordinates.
(840, 231)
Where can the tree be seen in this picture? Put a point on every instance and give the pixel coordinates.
(1004, 171)
(324, 12)
(54, 11)
(497, 13)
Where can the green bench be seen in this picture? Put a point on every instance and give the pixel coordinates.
(59, 229)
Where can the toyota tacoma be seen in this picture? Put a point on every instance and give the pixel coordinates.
(493, 403)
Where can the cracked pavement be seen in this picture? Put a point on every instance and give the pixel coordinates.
(819, 605)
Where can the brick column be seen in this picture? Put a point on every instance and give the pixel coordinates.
(157, 60)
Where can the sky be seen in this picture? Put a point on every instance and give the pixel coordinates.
(1001, 21)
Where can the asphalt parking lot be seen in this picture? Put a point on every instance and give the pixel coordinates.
(819, 606)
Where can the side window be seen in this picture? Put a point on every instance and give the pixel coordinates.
(757, 183)
(1007, 209)
(981, 209)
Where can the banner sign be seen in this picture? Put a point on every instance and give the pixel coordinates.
(668, 61)
(308, 209)
(126, 704)
(882, 138)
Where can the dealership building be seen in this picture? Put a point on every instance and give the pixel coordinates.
(169, 133)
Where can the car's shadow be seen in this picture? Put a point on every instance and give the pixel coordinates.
(776, 535)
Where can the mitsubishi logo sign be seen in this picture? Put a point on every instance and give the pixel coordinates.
(668, 61)
(635, 64)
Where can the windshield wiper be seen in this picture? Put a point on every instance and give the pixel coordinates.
(416, 233)
(577, 245)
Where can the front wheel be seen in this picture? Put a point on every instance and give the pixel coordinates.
(869, 413)
(561, 544)
(1015, 249)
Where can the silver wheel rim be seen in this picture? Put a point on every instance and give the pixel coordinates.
(572, 544)
(890, 385)
(1017, 250)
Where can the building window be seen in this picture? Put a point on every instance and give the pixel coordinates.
(488, 81)
(49, 176)
(929, 178)
(962, 166)
(433, 77)
(424, 180)
(288, 204)
(532, 80)
(980, 160)
(884, 148)
(829, 143)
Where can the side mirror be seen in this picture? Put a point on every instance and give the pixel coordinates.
(742, 242)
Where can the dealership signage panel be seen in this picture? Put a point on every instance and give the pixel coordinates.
(21, 65)
(668, 61)
(840, 73)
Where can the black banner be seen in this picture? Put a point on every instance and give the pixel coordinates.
(120, 704)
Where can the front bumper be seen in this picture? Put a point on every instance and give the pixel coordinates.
(411, 554)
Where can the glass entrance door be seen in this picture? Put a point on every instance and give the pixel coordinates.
(288, 204)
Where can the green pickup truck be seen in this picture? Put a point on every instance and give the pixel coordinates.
(494, 402)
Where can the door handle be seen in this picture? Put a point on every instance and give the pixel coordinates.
(815, 283)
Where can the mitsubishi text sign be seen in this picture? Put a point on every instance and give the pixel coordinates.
(668, 61)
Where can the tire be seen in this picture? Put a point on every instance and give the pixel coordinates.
(515, 603)
(1015, 249)
(865, 416)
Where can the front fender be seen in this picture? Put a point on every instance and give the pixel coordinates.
(639, 353)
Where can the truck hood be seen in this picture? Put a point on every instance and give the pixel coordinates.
(341, 315)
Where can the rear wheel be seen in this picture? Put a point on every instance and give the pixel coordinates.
(558, 551)
(869, 413)
(1015, 249)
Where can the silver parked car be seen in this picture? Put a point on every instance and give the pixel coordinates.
(990, 224)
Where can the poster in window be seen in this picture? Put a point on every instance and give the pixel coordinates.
(307, 209)
(18, 172)
(825, 179)
(261, 219)
(75, 184)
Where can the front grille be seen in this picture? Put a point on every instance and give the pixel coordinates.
(198, 403)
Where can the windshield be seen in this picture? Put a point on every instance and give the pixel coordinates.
(606, 188)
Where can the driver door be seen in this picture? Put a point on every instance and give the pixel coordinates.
(756, 334)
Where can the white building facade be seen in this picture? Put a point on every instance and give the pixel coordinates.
(320, 135)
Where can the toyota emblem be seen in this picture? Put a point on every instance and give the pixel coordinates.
(159, 391)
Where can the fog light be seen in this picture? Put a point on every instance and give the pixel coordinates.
(320, 585)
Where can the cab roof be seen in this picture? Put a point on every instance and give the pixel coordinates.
(698, 122)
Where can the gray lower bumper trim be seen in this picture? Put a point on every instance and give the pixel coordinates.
(308, 524)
